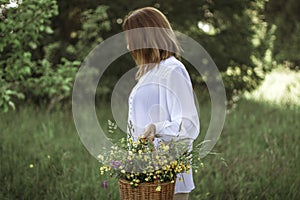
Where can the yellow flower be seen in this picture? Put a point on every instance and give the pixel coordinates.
(123, 171)
(174, 163)
(31, 166)
(158, 188)
(167, 147)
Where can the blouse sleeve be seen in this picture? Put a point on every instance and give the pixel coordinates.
(183, 117)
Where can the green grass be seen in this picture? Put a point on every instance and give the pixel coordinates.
(259, 145)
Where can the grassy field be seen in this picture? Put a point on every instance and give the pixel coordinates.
(258, 156)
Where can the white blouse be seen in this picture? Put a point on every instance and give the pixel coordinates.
(164, 97)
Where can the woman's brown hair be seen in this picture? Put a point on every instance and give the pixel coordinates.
(163, 38)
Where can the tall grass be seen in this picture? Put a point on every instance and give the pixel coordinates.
(257, 156)
(43, 158)
(260, 146)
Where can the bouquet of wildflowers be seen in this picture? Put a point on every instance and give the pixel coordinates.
(139, 161)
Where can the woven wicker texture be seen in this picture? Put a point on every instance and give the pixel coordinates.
(146, 191)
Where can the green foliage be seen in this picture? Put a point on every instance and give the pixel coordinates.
(285, 16)
(82, 38)
(94, 23)
(35, 66)
(56, 83)
(237, 40)
(5, 98)
(238, 79)
(22, 30)
(39, 43)
(238, 35)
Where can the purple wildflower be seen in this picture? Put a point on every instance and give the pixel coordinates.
(105, 184)
(116, 164)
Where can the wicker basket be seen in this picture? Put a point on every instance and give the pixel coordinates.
(146, 191)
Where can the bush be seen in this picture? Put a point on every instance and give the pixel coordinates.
(22, 30)
(31, 64)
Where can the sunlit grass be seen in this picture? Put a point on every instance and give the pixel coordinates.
(281, 86)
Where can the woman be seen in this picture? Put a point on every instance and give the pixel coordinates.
(162, 102)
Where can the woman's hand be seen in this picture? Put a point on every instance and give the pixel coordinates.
(149, 132)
